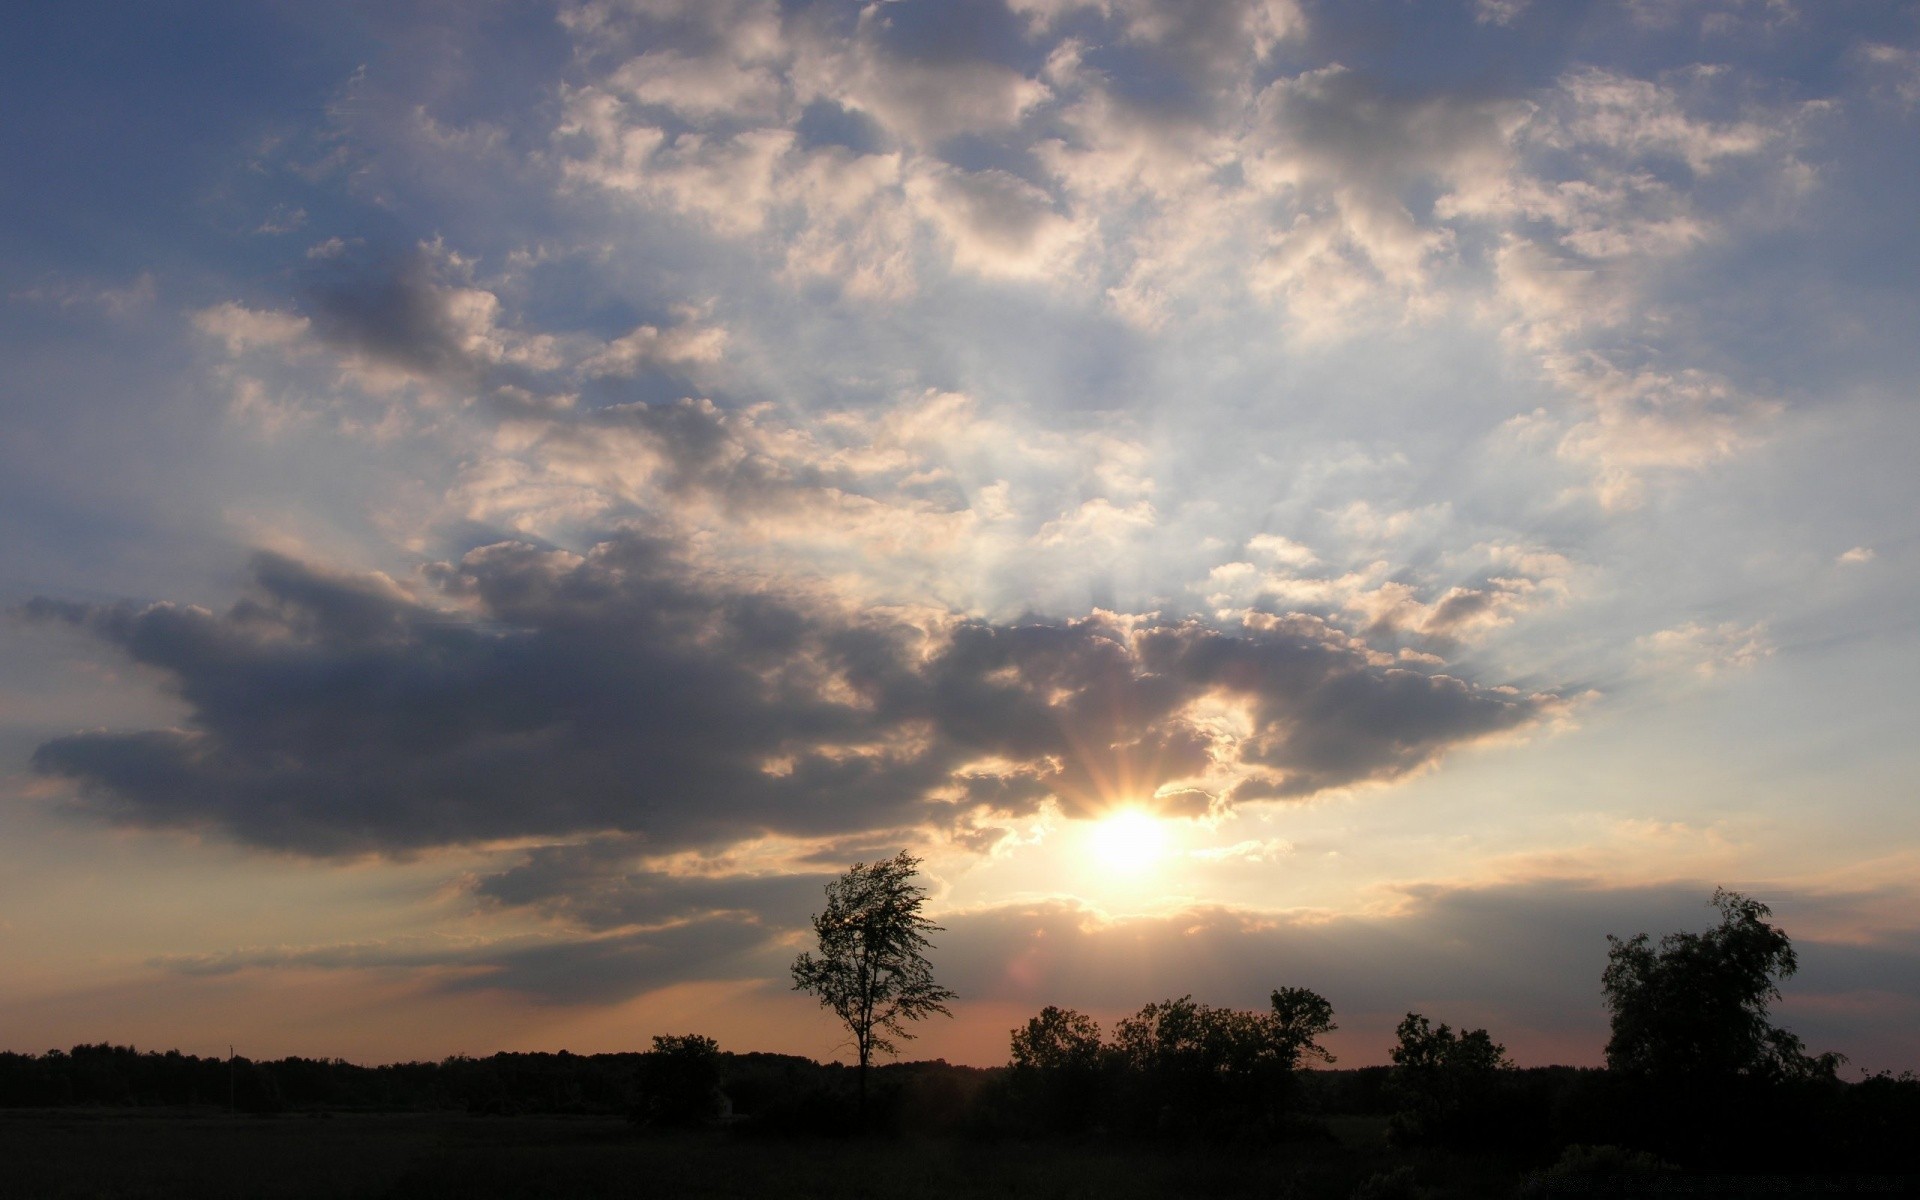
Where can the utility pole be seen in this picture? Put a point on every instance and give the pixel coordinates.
(230, 1078)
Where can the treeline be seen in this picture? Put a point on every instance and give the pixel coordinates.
(1177, 1071)
(108, 1075)
(1186, 1071)
(667, 1085)
(1696, 1077)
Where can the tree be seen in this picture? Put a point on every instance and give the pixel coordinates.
(1059, 1039)
(1058, 1080)
(680, 1081)
(1695, 1007)
(870, 969)
(1221, 1069)
(1443, 1081)
(1300, 1016)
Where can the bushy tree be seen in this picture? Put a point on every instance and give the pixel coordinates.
(1059, 1039)
(1219, 1068)
(680, 1081)
(1696, 1006)
(1300, 1017)
(1444, 1083)
(1059, 1072)
(871, 969)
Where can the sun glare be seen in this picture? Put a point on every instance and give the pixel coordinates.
(1128, 842)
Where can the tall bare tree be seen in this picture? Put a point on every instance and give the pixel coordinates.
(871, 969)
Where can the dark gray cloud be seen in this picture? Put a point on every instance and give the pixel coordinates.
(595, 885)
(569, 968)
(393, 309)
(617, 967)
(545, 694)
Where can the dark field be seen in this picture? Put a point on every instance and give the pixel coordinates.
(122, 1153)
(134, 1153)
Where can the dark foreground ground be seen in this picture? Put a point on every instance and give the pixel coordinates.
(143, 1153)
(121, 1153)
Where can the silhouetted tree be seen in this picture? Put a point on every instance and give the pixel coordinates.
(1443, 1082)
(1057, 1039)
(680, 1081)
(1058, 1067)
(1696, 1006)
(870, 969)
(1219, 1069)
(1300, 1017)
(1697, 1071)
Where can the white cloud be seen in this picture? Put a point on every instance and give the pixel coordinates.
(1638, 116)
(921, 102)
(1709, 650)
(241, 329)
(1648, 422)
(683, 345)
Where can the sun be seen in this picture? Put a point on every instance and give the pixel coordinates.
(1128, 842)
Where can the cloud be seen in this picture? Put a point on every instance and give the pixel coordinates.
(1153, 166)
(111, 300)
(1709, 649)
(242, 330)
(1894, 72)
(1467, 596)
(1653, 422)
(416, 314)
(607, 883)
(561, 968)
(924, 102)
(1499, 12)
(539, 693)
(684, 345)
(1208, 39)
(997, 223)
(1639, 117)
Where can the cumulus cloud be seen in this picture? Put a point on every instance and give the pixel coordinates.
(241, 329)
(1466, 597)
(542, 693)
(419, 314)
(688, 344)
(1153, 163)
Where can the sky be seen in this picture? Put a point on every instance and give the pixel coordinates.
(501, 502)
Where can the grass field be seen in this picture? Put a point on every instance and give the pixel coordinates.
(133, 1153)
